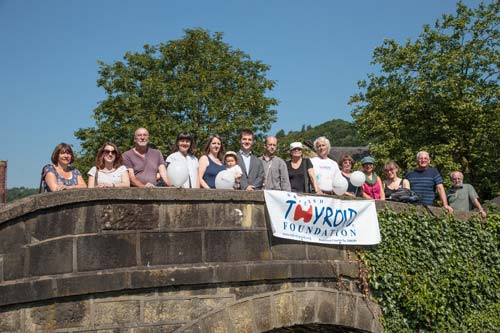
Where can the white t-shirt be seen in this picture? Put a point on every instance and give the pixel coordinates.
(114, 177)
(326, 170)
(192, 163)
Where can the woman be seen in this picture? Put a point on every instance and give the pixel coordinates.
(301, 171)
(392, 182)
(372, 188)
(109, 170)
(346, 165)
(60, 175)
(325, 168)
(184, 152)
(211, 162)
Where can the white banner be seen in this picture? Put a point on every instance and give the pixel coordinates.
(322, 219)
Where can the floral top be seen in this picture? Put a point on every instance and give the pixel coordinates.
(60, 180)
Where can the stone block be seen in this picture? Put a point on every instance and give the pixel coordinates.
(224, 246)
(349, 269)
(325, 252)
(305, 306)
(231, 273)
(90, 224)
(326, 307)
(54, 222)
(170, 248)
(51, 257)
(16, 293)
(258, 215)
(254, 289)
(165, 311)
(186, 216)
(128, 216)
(228, 215)
(287, 249)
(241, 316)
(201, 306)
(10, 321)
(283, 306)
(306, 269)
(346, 309)
(55, 316)
(171, 277)
(263, 314)
(104, 252)
(116, 313)
(269, 271)
(217, 323)
(12, 236)
(88, 284)
(13, 265)
(365, 315)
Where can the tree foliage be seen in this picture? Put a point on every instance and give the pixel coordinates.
(198, 84)
(16, 193)
(436, 274)
(341, 133)
(439, 93)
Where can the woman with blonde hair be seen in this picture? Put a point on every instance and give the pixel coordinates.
(392, 182)
(109, 170)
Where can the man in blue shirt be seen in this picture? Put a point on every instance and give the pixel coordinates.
(425, 181)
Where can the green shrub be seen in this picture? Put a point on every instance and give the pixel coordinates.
(436, 274)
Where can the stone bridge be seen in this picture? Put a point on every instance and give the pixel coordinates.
(170, 260)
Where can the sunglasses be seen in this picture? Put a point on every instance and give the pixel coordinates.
(109, 151)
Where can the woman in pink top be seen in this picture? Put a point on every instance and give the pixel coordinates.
(372, 188)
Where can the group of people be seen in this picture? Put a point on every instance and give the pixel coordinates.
(143, 166)
(424, 180)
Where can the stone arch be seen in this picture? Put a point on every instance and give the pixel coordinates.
(327, 309)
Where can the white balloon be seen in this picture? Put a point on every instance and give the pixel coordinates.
(358, 178)
(224, 180)
(339, 185)
(178, 173)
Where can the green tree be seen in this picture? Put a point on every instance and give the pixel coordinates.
(198, 84)
(439, 93)
(16, 193)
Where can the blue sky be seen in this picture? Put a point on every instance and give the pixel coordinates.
(317, 50)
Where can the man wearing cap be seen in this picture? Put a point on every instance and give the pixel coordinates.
(143, 162)
(253, 171)
(425, 180)
(275, 171)
(463, 197)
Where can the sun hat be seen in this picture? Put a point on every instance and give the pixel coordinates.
(367, 159)
(231, 153)
(294, 145)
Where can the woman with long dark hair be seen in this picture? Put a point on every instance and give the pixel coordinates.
(109, 170)
(211, 162)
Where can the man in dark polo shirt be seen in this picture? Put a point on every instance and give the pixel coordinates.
(143, 163)
(425, 181)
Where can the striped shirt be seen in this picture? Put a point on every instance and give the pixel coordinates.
(423, 182)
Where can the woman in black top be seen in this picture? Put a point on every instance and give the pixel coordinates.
(301, 171)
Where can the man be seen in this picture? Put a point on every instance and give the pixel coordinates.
(275, 170)
(463, 196)
(425, 181)
(143, 163)
(253, 171)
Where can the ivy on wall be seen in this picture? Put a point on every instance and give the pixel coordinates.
(436, 274)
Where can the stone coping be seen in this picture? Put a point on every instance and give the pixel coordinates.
(49, 200)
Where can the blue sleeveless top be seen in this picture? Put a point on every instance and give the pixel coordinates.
(211, 172)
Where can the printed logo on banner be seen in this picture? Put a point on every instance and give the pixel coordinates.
(321, 219)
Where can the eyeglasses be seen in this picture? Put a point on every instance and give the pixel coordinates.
(109, 151)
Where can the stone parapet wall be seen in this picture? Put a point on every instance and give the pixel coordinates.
(161, 260)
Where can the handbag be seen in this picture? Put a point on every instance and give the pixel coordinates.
(404, 195)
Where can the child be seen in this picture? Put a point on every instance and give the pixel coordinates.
(231, 162)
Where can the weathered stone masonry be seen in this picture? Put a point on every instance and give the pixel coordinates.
(168, 260)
